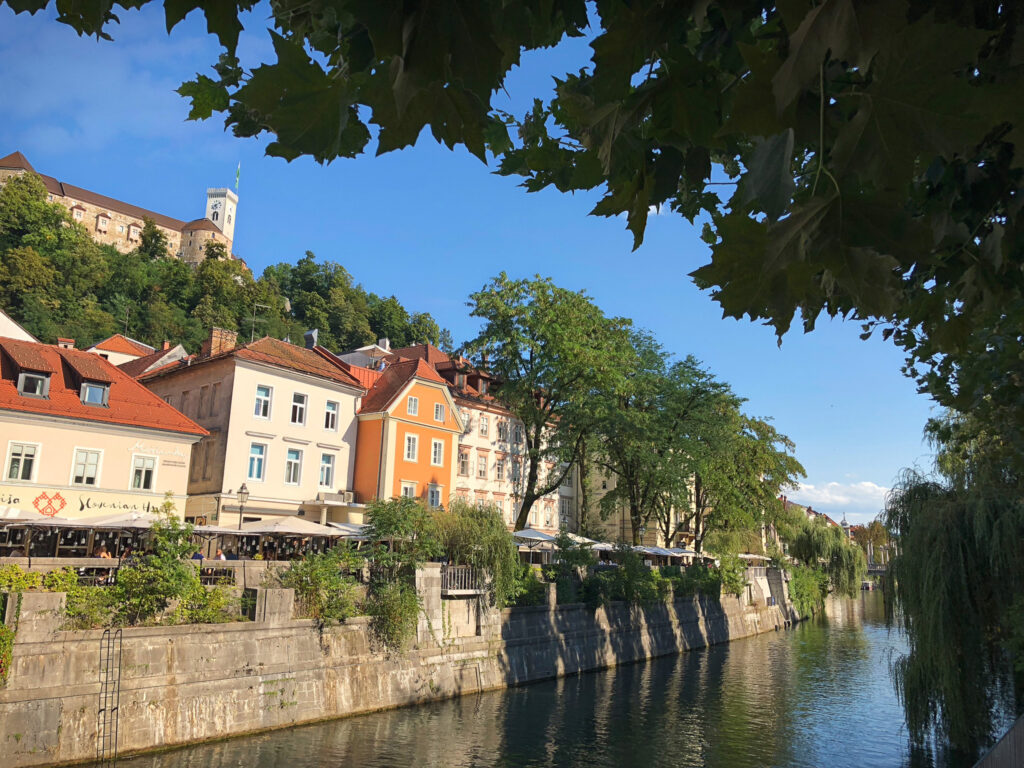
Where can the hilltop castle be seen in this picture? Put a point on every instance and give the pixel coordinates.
(112, 222)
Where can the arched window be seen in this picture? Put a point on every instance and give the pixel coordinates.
(215, 215)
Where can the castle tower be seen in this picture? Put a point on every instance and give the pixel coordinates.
(221, 209)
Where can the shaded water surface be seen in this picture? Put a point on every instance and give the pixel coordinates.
(818, 696)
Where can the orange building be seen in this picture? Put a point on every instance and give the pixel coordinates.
(408, 434)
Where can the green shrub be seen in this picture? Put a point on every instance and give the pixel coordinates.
(528, 589)
(6, 652)
(732, 572)
(323, 590)
(14, 579)
(476, 535)
(393, 608)
(808, 588)
(207, 605)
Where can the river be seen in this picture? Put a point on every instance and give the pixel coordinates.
(817, 696)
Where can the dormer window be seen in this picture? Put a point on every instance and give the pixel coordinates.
(34, 384)
(95, 393)
(482, 386)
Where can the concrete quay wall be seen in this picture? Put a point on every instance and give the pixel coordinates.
(185, 684)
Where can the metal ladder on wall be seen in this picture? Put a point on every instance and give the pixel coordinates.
(110, 698)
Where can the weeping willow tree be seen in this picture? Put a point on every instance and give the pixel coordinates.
(476, 535)
(957, 583)
(826, 547)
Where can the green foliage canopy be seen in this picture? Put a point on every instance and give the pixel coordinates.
(552, 350)
(853, 158)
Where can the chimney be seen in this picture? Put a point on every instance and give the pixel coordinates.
(221, 340)
(166, 346)
(309, 337)
(65, 343)
(384, 344)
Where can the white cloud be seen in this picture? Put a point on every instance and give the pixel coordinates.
(859, 501)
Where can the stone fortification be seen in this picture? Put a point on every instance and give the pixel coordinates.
(186, 684)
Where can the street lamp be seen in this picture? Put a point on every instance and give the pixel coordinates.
(243, 496)
(642, 530)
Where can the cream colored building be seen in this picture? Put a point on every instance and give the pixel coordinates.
(79, 438)
(114, 222)
(11, 330)
(282, 421)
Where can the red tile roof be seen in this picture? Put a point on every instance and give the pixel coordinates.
(16, 160)
(394, 380)
(197, 224)
(427, 352)
(123, 345)
(140, 365)
(130, 403)
(365, 376)
(273, 352)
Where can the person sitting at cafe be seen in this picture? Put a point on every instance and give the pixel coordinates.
(102, 552)
(220, 555)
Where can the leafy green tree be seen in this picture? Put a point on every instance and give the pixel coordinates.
(649, 426)
(389, 320)
(153, 242)
(551, 350)
(476, 535)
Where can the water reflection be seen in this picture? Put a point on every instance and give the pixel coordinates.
(818, 695)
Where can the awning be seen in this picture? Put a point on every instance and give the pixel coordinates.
(121, 520)
(18, 516)
(752, 557)
(289, 526)
(353, 531)
(682, 552)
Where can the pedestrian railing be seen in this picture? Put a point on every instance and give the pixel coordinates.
(461, 580)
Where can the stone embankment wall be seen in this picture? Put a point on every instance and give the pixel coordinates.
(185, 684)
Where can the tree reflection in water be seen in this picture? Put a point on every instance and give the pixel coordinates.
(815, 696)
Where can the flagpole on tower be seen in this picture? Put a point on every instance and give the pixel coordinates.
(238, 175)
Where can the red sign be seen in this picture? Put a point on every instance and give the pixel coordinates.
(49, 505)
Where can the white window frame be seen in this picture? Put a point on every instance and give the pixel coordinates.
(517, 434)
(565, 505)
(331, 466)
(484, 424)
(439, 410)
(499, 470)
(131, 474)
(328, 413)
(10, 455)
(269, 400)
(481, 464)
(464, 463)
(437, 453)
(415, 444)
(44, 377)
(412, 405)
(102, 387)
(433, 489)
(74, 465)
(288, 465)
(408, 486)
(303, 408)
(262, 477)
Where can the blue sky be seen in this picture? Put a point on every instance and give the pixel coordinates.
(430, 226)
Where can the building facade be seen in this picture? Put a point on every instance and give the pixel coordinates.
(82, 439)
(117, 223)
(409, 429)
(282, 421)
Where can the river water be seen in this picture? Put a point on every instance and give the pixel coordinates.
(817, 696)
